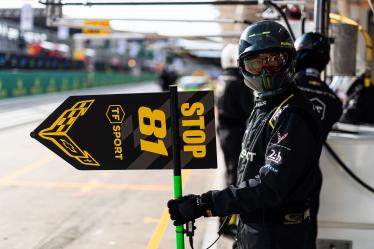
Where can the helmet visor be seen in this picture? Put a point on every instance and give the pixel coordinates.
(272, 62)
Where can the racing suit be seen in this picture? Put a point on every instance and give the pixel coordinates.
(324, 100)
(278, 175)
(235, 104)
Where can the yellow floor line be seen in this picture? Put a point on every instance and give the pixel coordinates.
(160, 230)
(164, 220)
(27, 169)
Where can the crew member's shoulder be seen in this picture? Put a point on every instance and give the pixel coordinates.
(295, 102)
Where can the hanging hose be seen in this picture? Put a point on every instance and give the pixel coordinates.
(221, 229)
(346, 169)
(303, 20)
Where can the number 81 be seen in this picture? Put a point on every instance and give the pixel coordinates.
(152, 122)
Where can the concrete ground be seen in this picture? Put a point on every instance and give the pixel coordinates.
(47, 204)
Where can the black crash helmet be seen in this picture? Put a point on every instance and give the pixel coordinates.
(262, 38)
(312, 51)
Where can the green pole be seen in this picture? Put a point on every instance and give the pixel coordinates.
(178, 194)
(174, 113)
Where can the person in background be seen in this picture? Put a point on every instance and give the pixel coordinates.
(235, 104)
(357, 109)
(279, 178)
(167, 77)
(312, 57)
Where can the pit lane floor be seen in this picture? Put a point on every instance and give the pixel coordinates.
(47, 204)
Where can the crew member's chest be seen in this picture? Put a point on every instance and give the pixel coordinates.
(255, 140)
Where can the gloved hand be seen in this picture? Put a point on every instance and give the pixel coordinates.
(190, 207)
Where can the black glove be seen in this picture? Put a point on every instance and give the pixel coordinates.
(190, 207)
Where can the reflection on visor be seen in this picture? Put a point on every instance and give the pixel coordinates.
(272, 62)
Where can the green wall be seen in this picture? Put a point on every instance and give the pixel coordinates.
(21, 83)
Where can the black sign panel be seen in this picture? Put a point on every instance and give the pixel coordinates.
(131, 131)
